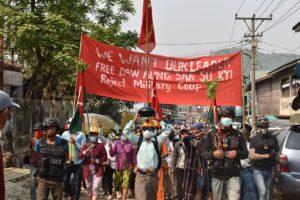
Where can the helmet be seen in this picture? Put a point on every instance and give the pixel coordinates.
(51, 122)
(156, 124)
(149, 123)
(38, 126)
(94, 129)
(226, 111)
(262, 122)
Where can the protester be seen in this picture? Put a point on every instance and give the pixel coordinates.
(93, 155)
(224, 148)
(148, 158)
(178, 162)
(248, 190)
(109, 165)
(263, 153)
(194, 172)
(125, 163)
(53, 153)
(6, 105)
(34, 158)
(73, 165)
(162, 173)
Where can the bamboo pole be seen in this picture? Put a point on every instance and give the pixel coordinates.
(147, 52)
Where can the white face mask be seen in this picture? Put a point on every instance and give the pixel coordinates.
(264, 130)
(123, 138)
(226, 121)
(148, 134)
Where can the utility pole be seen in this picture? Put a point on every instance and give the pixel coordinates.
(252, 28)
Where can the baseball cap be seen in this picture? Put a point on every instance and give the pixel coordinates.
(5, 101)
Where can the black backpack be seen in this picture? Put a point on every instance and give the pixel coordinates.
(155, 143)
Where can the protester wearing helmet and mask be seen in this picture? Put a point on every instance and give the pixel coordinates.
(263, 153)
(148, 157)
(94, 156)
(224, 148)
(53, 153)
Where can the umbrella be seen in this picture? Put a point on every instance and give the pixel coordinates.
(101, 121)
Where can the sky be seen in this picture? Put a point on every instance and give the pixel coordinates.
(184, 27)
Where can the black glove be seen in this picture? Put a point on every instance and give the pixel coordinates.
(272, 155)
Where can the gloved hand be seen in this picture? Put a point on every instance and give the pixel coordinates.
(272, 155)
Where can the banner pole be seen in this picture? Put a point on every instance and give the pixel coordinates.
(74, 100)
(147, 52)
(243, 99)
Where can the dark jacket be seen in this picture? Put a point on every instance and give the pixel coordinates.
(225, 168)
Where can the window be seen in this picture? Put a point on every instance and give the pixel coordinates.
(285, 87)
(293, 141)
(295, 85)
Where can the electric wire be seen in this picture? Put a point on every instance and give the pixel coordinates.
(260, 6)
(266, 8)
(284, 17)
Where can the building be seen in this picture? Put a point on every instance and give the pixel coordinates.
(11, 80)
(276, 90)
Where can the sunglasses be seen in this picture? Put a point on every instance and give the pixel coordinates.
(148, 128)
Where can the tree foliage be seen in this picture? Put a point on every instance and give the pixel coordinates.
(44, 37)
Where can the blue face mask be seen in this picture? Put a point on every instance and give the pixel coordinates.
(226, 121)
(93, 139)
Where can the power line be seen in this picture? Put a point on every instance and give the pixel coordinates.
(240, 6)
(275, 45)
(266, 8)
(193, 44)
(283, 18)
(260, 6)
(278, 6)
(206, 51)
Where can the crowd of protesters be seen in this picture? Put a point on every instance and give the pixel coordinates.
(153, 161)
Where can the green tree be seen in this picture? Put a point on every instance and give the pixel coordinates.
(44, 36)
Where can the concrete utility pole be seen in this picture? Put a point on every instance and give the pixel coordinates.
(253, 36)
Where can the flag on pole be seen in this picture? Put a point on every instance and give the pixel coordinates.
(77, 119)
(213, 113)
(155, 103)
(147, 35)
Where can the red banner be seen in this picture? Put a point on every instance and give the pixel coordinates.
(121, 74)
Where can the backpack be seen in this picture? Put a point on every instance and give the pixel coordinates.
(155, 144)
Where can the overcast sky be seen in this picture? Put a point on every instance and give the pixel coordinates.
(193, 22)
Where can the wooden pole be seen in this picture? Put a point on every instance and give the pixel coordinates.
(243, 99)
(147, 52)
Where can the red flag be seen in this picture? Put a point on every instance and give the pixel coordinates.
(147, 35)
(214, 104)
(155, 103)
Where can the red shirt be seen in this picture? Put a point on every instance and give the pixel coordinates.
(97, 155)
(34, 156)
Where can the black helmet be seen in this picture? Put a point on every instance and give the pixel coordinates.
(38, 126)
(226, 111)
(51, 122)
(262, 122)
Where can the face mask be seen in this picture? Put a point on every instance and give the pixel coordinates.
(93, 139)
(148, 134)
(38, 134)
(155, 132)
(226, 121)
(264, 131)
(123, 138)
